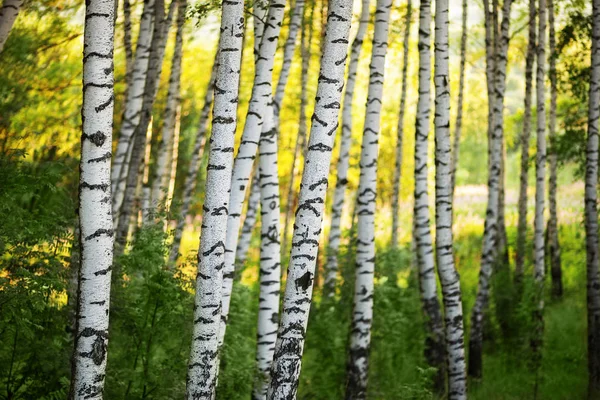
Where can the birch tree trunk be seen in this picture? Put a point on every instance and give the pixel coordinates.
(189, 186)
(129, 59)
(249, 221)
(553, 243)
(362, 313)
(174, 152)
(525, 134)
(242, 167)
(591, 212)
(285, 371)
(96, 230)
(459, 106)
(400, 131)
(339, 195)
(8, 14)
(434, 342)
(490, 231)
(202, 366)
(132, 108)
(444, 241)
(160, 181)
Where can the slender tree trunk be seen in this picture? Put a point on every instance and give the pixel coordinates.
(540, 180)
(270, 255)
(591, 212)
(8, 14)
(129, 59)
(189, 186)
(553, 243)
(400, 134)
(301, 138)
(455, 341)
(343, 163)
(362, 313)
(287, 361)
(434, 342)
(202, 365)
(160, 181)
(242, 167)
(249, 221)
(490, 231)
(459, 106)
(174, 151)
(132, 108)
(96, 230)
(525, 134)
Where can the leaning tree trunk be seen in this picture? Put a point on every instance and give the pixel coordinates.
(160, 182)
(249, 221)
(189, 186)
(591, 212)
(540, 178)
(8, 14)
(132, 107)
(362, 312)
(339, 195)
(525, 134)
(285, 372)
(455, 341)
(400, 134)
(95, 220)
(202, 365)
(490, 231)
(270, 255)
(434, 342)
(242, 167)
(459, 106)
(553, 243)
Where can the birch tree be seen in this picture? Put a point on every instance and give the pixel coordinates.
(525, 134)
(249, 221)
(285, 371)
(553, 243)
(434, 342)
(202, 365)
(400, 131)
(129, 58)
(96, 230)
(444, 241)
(591, 212)
(362, 313)
(343, 163)
(490, 230)
(8, 14)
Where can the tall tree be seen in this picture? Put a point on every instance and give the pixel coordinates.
(591, 212)
(343, 163)
(95, 220)
(287, 360)
(490, 231)
(553, 243)
(202, 365)
(434, 343)
(160, 181)
(459, 106)
(400, 131)
(525, 134)
(8, 14)
(249, 220)
(129, 58)
(444, 241)
(362, 312)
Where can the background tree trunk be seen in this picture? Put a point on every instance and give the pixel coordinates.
(8, 14)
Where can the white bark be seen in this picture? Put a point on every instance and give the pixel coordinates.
(434, 351)
(202, 366)
(400, 130)
(8, 14)
(339, 195)
(249, 221)
(362, 313)
(96, 230)
(309, 214)
(160, 181)
(189, 186)
(174, 152)
(127, 43)
(270, 255)
(242, 167)
(455, 344)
